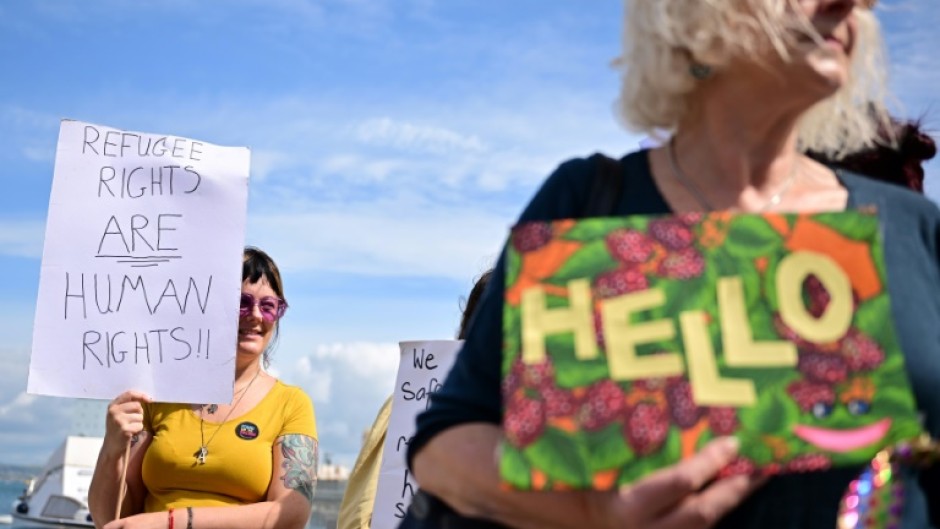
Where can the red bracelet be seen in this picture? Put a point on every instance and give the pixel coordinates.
(169, 515)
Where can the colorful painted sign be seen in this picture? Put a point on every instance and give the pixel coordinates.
(631, 342)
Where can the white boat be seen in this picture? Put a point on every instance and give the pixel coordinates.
(59, 495)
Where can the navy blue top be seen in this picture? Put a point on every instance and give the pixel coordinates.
(911, 225)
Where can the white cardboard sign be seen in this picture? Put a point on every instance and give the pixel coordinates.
(141, 267)
(421, 371)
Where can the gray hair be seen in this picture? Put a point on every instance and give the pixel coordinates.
(663, 39)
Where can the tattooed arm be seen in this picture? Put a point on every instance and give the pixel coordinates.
(299, 464)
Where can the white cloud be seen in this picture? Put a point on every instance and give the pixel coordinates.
(419, 138)
(31, 427)
(22, 400)
(348, 383)
(374, 361)
(39, 154)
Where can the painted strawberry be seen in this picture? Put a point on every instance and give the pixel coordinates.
(687, 263)
(559, 402)
(723, 420)
(818, 295)
(646, 428)
(603, 403)
(683, 409)
(690, 218)
(538, 376)
(808, 463)
(809, 395)
(861, 353)
(620, 281)
(771, 469)
(741, 466)
(531, 236)
(822, 367)
(512, 381)
(629, 246)
(524, 420)
(651, 385)
(671, 233)
(788, 334)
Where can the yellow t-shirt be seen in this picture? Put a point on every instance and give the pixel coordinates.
(355, 511)
(238, 467)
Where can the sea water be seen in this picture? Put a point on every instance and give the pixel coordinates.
(10, 490)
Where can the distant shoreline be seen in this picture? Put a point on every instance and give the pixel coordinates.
(17, 472)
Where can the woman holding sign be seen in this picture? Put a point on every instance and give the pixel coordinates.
(250, 464)
(746, 88)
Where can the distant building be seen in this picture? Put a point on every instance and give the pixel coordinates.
(331, 484)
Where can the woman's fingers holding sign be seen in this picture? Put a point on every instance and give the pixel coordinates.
(686, 495)
(125, 418)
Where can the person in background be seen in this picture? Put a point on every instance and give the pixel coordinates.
(251, 463)
(355, 511)
(897, 157)
(746, 88)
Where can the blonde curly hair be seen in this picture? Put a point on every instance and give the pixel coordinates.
(663, 39)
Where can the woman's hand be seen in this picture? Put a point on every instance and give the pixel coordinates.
(150, 520)
(684, 495)
(681, 496)
(125, 420)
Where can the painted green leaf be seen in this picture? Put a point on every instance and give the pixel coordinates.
(593, 229)
(750, 236)
(513, 265)
(870, 316)
(592, 259)
(572, 375)
(772, 414)
(608, 449)
(755, 447)
(560, 346)
(514, 467)
(511, 336)
(680, 295)
(557, 454)
(857, 227)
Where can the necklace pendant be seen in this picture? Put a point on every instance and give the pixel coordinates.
(201, 455)
(212, 409)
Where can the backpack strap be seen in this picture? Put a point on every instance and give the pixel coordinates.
(606, 187)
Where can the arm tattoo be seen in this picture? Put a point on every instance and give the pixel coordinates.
(300, 464)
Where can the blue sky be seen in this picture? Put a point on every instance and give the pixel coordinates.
(393, 142)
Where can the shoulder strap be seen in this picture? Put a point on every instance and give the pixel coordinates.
(606, 187)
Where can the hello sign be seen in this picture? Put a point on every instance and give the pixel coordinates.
(631, 342)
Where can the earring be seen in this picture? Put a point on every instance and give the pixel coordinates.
(700, 71)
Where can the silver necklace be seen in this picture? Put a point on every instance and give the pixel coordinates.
(204, 445)
(699, 196)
